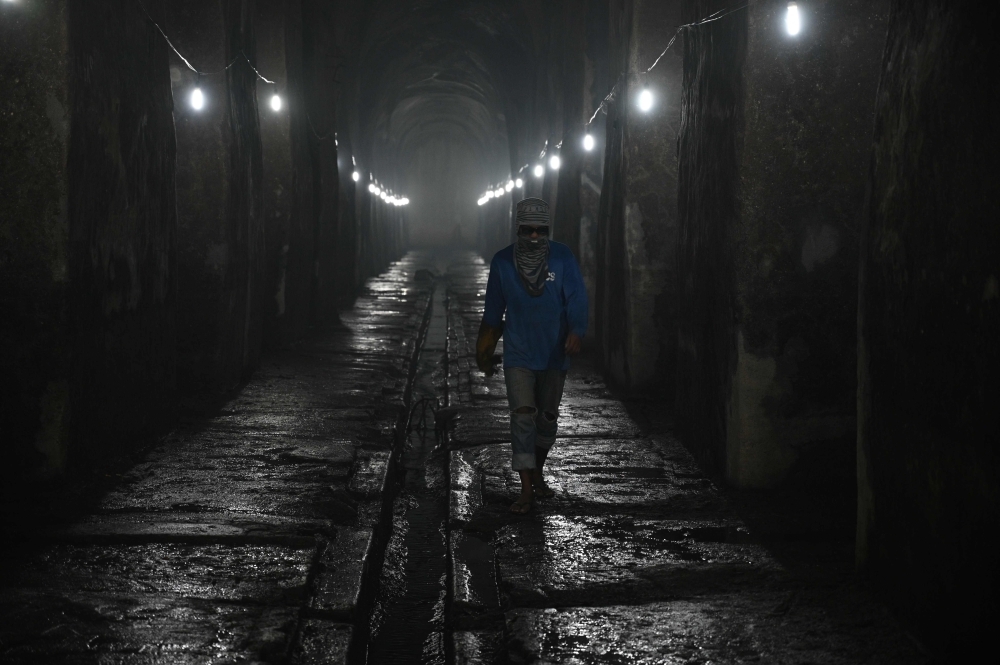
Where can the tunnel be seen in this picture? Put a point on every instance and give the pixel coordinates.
(473, 332)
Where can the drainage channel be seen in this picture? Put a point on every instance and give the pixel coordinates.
(407, 623)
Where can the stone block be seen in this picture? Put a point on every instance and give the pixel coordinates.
(340, 576)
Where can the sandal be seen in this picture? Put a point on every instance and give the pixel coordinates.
(544, 491)
(520, 507)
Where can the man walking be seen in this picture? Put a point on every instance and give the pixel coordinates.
(537, 282)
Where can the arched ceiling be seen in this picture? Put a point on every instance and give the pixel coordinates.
(431, 70)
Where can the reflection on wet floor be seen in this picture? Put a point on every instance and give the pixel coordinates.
(245, 535)
(408, 620)
(639, 557)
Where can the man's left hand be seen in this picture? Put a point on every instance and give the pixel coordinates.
(573, 344)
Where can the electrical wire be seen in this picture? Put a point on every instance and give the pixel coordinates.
(603, 106)
(187, 62)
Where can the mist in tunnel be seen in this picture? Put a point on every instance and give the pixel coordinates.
(441, 175)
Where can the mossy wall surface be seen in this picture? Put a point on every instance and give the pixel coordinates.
(34, 136)
(122, 225)
(775, 136)
(220, 195)
(708, 206)
(929, 322)
(610, 304)
(636, 239)
(288, 177)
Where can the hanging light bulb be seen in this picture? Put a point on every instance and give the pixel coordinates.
(371, 188)
(499, 191)
(519, 183)
(509, 186)
(555, 163)
(197, 99)
(482, 200)
(378, 192)
(539, 170)
(645, 100)
(382, 195)
(355, 176)
(588, 142)
(489, 194)
(405, 201)
(793, 21)
(275, 102)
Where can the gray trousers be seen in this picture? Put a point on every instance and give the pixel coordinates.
(540, 390)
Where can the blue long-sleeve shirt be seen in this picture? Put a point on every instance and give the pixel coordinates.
(534, 335)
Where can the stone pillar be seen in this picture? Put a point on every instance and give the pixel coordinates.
(219, 194)
(287, 188)
(772, 151)
(566, 221)
(122, 223)
(322, 63)
(595, 87)
(347, 277)
(34, 136)
(637, 224)
(929, 321)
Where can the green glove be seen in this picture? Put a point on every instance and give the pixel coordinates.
(485, 346)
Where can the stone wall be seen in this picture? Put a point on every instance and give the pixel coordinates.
(122, 224)
(219, 193)
(773, 147)
(637, 223)
(288, 196)
(34, 137)
(595, 87)
(929, 321)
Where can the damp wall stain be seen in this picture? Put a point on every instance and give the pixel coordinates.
(773, 145)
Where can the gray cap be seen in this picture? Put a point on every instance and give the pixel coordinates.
(532, 211)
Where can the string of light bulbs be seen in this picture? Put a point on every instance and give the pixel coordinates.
(645, 101)
(381, 192)
(197, 101)
(197, 98)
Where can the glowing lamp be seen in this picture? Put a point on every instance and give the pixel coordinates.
(499, 192)
(509, 186)
(197, 99)
(645, 100)
(383, 196)
(539, 170)
(588, 142)
(519, 183)
(489, 194)
(793, 21)
(275, 103)
(371, 188)
(555, 163)
(355, 176)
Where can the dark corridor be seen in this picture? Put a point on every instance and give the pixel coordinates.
(244, 250)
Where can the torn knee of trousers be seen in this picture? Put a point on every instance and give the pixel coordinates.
(551, 417)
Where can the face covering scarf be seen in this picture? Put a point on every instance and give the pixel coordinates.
(531, 258)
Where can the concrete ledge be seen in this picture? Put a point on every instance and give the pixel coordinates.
(323, 643)
(341, 572)
(465, 495)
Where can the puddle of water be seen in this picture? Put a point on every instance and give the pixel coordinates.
(408, 619)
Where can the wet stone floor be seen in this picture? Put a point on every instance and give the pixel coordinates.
(314, 520)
